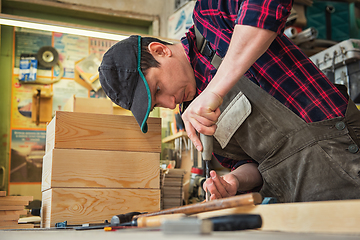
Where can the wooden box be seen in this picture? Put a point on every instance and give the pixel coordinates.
(89, 105)
(102, 132)
(97, 166)
(94, 205)
(100, 169)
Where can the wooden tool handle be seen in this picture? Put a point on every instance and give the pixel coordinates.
(156, 221)
(230, 202)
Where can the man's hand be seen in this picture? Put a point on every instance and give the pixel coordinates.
(221, 186)
(201, 116)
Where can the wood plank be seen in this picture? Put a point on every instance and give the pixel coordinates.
(174, 136)
(91, 205)
(2, 193)
(19, 198)
(9, 202)
(98, 168)
(9, 217)
(73, 130)
(307, 217)
(13, 212)
(8, 223)
(15, 208)
(18, 226)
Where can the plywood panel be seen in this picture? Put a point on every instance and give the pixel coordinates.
(102, 132)
(101, 169)
(87, 205)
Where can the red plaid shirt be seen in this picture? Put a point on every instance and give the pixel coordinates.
(283, 71)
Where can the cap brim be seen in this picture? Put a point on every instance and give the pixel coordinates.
(141, 104)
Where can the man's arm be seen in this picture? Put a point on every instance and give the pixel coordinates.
(247, 45)
(244, 178)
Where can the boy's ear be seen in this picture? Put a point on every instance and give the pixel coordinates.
(159, 49)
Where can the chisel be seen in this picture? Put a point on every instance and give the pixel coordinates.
(206, 154)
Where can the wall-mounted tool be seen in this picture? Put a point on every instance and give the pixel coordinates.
(46, 57)
(41, 108)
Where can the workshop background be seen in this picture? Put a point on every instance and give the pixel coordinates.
(313, 25)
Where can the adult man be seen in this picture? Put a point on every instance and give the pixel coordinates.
(283, 129)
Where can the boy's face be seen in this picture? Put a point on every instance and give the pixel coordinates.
(172, 83)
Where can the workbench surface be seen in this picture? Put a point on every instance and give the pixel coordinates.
(133, 234)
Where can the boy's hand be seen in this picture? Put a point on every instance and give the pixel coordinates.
(201, 116)
(221, 186)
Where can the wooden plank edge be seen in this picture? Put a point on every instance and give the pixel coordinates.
(308, 217)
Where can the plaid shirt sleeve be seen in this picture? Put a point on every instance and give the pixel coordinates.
(231, 163)
(266, 14)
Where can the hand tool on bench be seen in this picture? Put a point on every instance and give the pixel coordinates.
(206, 154)
(217, 204)
(154, 218)
(124, 218)
(152, 221)
(194, 225)
(179, 223)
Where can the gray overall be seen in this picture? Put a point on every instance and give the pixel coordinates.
(298, 161)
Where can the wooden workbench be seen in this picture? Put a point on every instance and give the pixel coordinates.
(158, 235)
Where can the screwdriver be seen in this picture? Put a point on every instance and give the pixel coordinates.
(206, 154)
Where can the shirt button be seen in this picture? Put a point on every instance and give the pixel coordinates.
(353, 148)
(340, 125)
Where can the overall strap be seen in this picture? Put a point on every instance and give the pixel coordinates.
(205, 49)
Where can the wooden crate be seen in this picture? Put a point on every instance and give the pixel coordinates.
(100, 169)
(97, 166)
(102, 132)
(94, 205)
(89, 105)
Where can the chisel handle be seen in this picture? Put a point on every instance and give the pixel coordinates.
(207, 143)
(206, 154)
(155, 221)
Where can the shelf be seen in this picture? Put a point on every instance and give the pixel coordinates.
(174, 136)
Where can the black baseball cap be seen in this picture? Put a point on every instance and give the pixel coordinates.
(122, 80)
